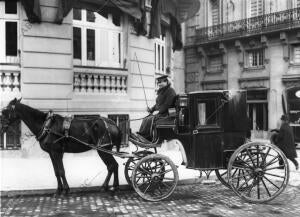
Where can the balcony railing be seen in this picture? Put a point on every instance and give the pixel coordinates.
(251, 26)
(101, 82)
(9, 81)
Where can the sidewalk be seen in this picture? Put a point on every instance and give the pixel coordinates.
(85, 170)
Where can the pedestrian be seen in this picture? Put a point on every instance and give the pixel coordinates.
(286, 140)
(165, 99)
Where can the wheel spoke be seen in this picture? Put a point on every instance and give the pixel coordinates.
(264, 184)
(246, 182)
(239, 176)
(147, 187)
(245, 162)
(265, 157)
(170, 170)
(144, 183)
(258, 189)
(273, 168)
(242, 168)
(250, 187)
(270, 174)
(249, 154)
(145, 170)
(272, 161)
(163, 166)
(271, 182)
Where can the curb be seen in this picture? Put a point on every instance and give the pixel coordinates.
(92, 189)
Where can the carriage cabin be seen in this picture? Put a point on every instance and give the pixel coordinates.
(211, 124)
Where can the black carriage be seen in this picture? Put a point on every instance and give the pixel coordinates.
(211, 128)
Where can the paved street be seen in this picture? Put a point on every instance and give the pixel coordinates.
(187, 200)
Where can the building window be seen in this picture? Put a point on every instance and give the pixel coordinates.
(160, 55)
(214, 63)
(97, 40)
(255, 58)
(256, 8)
(296, 54)
(122, 121)
(11, 139)
(9, 32)
(257, 101)
(215, 12)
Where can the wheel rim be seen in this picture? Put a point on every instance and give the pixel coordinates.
(155, 177)
(254, 172)
(130, 164)
(222, 175)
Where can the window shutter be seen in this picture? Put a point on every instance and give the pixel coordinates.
(256, 8)
(104, 48)
(115, 47)
(215, 12)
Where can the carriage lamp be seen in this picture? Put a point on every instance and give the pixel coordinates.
(297, 94)
(183, 101)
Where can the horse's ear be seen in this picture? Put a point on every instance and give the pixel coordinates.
(19, 100)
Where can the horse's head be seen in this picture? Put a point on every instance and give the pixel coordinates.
(9, 115)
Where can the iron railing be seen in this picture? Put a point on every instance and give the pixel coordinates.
(255, 25)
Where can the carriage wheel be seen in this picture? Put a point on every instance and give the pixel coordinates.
(155, 177)
(131, 162)
(254, 173)
(222, 175)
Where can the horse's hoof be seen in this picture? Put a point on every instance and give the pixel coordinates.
(104, 189)
(67, 191)
(114, 189)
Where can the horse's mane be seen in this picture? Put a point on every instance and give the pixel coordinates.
(35, 112)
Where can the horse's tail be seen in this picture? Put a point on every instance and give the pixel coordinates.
(119, 140)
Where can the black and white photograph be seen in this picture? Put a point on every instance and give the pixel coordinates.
(149, 108)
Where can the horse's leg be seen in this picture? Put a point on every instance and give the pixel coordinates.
(112, 167)
(61, 171)
(56, 171)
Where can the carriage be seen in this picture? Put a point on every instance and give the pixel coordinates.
(209, 127)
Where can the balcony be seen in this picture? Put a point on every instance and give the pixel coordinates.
(273, 22)
(100, 80)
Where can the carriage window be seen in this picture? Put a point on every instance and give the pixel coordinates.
(207, 113)
(11, 139)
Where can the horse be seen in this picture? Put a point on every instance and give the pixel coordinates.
(49, 131)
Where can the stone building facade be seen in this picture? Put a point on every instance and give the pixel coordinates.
(252, 45)
(87, 65)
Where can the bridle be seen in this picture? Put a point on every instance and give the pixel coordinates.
(6, 122)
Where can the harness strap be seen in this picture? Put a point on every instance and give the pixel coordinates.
(45, 128)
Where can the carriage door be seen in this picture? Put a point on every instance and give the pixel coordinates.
(207, 128)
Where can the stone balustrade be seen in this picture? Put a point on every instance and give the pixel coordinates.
(9, 81)
(100, 83)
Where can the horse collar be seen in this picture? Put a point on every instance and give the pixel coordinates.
(45, 128)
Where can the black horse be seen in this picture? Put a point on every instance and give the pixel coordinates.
(52, 137)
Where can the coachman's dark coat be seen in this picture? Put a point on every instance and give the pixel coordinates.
(286, 141)
(165, 99)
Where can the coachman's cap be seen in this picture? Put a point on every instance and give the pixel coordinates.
(163, 77)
